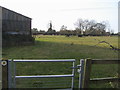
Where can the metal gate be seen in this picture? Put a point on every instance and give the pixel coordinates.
(12, 78)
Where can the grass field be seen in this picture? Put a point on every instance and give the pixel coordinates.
(61, 47)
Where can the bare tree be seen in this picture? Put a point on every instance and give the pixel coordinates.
(80, 25)
(63, 27)
(89, 26)
(50, 27)
(86, 24)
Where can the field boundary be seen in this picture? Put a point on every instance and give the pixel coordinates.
(87, 71)
(7, 76)
(84, 70)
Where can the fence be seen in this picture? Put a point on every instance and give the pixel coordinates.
(84, 70)
(85, 76)
(7, 75)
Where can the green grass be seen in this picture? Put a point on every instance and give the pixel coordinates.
(64, 47)
(61, 47)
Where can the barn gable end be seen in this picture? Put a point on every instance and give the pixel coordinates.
(16, 28)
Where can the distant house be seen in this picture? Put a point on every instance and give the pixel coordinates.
(15, 25)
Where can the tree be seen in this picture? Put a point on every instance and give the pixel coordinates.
(50, 30)
(63, 27)
(111, 31)
(86, 24)
(34, 31)
(42, 32)
(63, 30)
(50, 27)
(80, 25)
(89, 27)
(99, 29)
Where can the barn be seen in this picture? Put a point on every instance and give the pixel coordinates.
(16, 28)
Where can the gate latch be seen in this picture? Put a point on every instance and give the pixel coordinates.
(78, 67)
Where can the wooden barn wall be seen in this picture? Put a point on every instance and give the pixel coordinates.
(0, 47)
(14, 22)
(119, 16)
(0, 27)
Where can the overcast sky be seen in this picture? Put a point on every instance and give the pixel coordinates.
(65, 12)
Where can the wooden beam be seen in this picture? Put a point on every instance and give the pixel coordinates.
(107, 79)
(98, 61)
(4, 73)
(86, 75)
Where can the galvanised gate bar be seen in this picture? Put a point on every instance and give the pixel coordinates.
(12, 82)
(84, 70)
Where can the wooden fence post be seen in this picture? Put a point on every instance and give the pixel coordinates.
(4, 73)
(0, 75)
(86, 74)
